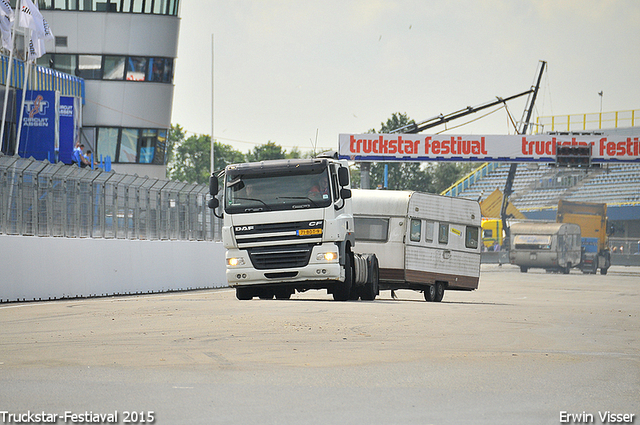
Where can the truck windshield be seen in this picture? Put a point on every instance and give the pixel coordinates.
(299, 189)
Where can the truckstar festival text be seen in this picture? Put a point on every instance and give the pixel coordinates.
(400, 147)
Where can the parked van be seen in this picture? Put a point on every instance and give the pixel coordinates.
(422, 241)
(550, 246)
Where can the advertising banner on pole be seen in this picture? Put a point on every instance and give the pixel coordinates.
(483, 148)
(39, 136)
(69, 111)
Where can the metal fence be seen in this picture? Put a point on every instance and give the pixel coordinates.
(38, 198)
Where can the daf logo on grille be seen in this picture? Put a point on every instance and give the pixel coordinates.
(243, 228)
(315, 223)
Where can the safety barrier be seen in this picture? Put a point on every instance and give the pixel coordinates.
(38, 198)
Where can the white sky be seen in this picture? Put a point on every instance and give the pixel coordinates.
(284, 70)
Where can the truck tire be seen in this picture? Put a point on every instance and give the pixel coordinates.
(439, 291)
(244, 294)
(523, 269)
(603, 270)
(371, 288)
(342, 290)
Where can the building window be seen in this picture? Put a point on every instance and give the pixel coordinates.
(107, 143)
(90, 67)
(96, 67)
(60, 61)
(132, 145)
(136, 69)
(129, 145)
(148, 145)
(161, 7)
(161, 148)
(160, 70)
(114, 67)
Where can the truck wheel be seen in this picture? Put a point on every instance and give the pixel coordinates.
(430, 293)
(439, 291)
(371, 288)
(523, 269)
(244, 293)
(603, 271)
(567, 269)
(342, 290)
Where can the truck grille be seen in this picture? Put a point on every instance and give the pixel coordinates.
(278, 233)
(281, 257)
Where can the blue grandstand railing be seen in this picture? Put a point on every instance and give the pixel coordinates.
(465, 182)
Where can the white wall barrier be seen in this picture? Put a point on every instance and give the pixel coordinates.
(47, 268)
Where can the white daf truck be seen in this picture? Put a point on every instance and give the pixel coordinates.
(288, 227)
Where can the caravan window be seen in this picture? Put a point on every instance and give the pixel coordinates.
(429, 231)
(532, 241)
(416, 230)
(371, 229)
(443, 233)
(471, 240)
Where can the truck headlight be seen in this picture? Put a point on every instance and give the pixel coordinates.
(235, 262)
(327, 256)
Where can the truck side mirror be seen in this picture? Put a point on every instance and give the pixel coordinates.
(213, 203)
(213, 185)
(345, 193)
(343, 176)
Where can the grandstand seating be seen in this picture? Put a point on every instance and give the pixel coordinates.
(542, 185)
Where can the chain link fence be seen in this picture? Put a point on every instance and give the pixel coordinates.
(38, 198)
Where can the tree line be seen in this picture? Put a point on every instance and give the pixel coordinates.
(189, 159)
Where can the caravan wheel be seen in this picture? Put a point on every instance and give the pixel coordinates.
(430, 293)
(439, 291)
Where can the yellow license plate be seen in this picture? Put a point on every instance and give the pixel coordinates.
(307, 232)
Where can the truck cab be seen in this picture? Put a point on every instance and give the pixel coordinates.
(288, 226)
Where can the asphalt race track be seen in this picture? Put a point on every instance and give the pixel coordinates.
(534, 348)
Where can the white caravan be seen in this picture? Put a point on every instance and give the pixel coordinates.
(423, 242)
(550, 246)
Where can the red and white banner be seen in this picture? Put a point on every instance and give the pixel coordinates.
(494, 148)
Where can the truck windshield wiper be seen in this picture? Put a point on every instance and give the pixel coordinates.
(300, 197)
(255, 199)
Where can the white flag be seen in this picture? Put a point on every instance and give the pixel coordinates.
(30, 17)
(6, 10)
(5, 29)
(36, 48)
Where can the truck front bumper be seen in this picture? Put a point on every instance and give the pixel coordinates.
(240, 270)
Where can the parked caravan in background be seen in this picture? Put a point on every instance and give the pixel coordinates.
(422, 241)
(549, 246)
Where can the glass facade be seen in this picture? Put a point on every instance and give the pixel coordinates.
(108, 67)
(156, 7)
(132, 145)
